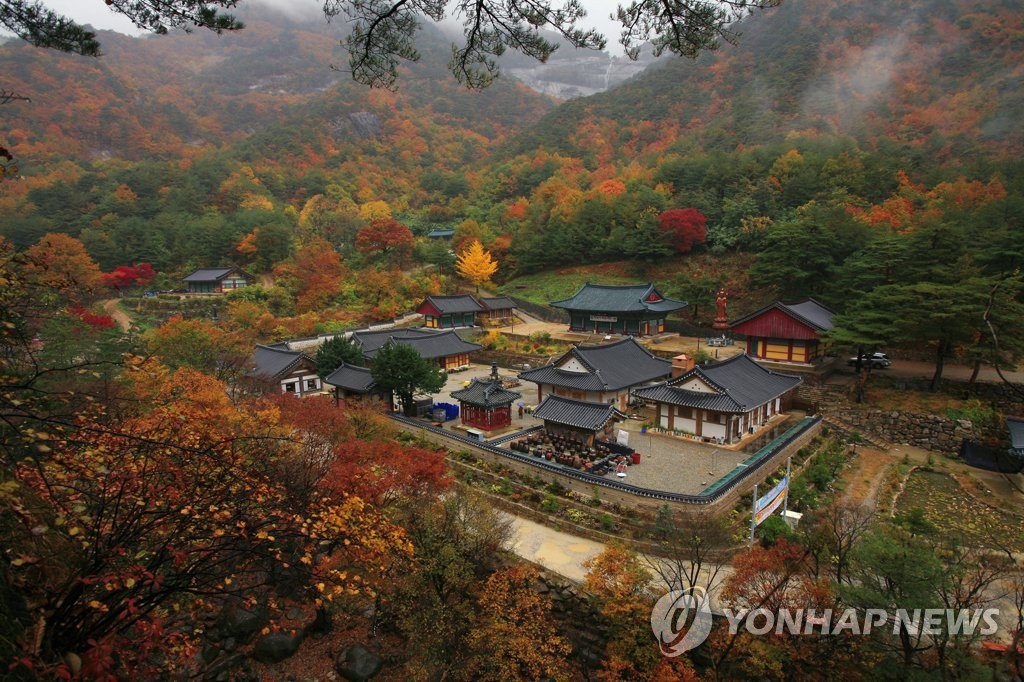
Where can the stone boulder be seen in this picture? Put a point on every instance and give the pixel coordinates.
(356, 664)
(276, 646)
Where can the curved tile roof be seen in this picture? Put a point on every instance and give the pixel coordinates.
(809, 311)
(273, 362)
(351, 378)
(611, 367)
(427, 342)
(463, 303)
(486, 394)
(619, 298)
(576, 413)
(737, 385)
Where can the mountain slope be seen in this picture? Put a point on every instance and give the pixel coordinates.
(942, 73)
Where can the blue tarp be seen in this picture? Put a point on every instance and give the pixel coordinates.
(450, 411)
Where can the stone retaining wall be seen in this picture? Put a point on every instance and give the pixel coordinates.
(625, 498)
(928, 431)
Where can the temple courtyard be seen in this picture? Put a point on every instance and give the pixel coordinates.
(667, 463)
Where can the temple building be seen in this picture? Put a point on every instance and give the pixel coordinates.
(486, 404)
(464, 310)
(786, 332)
(602, 373)
(352, 382)
(444, 347)
(636, 310)
(720, 402)
(448, 312)
(289, 371)
(217, 280)
(579, 420)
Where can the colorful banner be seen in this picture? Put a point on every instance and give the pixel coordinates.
(764, 506)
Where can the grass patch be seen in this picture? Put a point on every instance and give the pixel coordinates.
(544, 287)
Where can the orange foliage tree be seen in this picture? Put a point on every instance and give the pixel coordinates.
(514, 637)
(126, 535)
(387, 237)
(60, 262)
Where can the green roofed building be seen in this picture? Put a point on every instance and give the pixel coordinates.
(635, 310)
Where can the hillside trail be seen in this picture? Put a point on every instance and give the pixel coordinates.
(112, 307)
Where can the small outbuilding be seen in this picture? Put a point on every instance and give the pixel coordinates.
(448, 312)
(351, 382)
(446, 347)
(486, 403)
(577, 420)
(217, 280)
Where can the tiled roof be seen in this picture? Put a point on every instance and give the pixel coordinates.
(440, 233)
(612, 366)
(427, 342)
(618, 298)
(463, 303)
(498, 303)
(738, 385)
(576, 413)
(211, 274)
(274, 362)
(351, 378)
(486, 394)
(809, 312)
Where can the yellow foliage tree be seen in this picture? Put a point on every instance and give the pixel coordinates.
(475, 264)
(374, 210)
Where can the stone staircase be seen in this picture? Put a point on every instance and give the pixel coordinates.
(833, 423)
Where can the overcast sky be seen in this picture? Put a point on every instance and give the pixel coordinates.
(96, 12)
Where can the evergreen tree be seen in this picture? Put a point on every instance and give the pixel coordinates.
(400, 369)
(333, 352)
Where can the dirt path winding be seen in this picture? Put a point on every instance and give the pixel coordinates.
(112, 307)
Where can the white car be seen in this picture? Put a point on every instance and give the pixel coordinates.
(875, 360)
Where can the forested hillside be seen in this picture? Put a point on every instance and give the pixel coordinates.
(858, 121)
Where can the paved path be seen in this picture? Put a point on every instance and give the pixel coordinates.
(554, 550)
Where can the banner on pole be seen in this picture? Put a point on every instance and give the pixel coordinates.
(764, 506)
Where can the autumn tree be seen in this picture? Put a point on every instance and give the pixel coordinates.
(397, 367)
(514, 636)
(620, 582)
(685, 228)
(60, 262)
(476, 265)
(201, 345)
(128, 276)
(387, 237)
(158, 522)
(458, 541)
(316, 275)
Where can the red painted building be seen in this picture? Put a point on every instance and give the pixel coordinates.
(486, 404)
(786, 332)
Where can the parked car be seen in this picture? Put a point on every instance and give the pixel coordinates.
(875, 360)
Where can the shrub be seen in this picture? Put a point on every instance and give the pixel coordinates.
(549, 504)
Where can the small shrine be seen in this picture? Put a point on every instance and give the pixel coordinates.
(486, 404)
